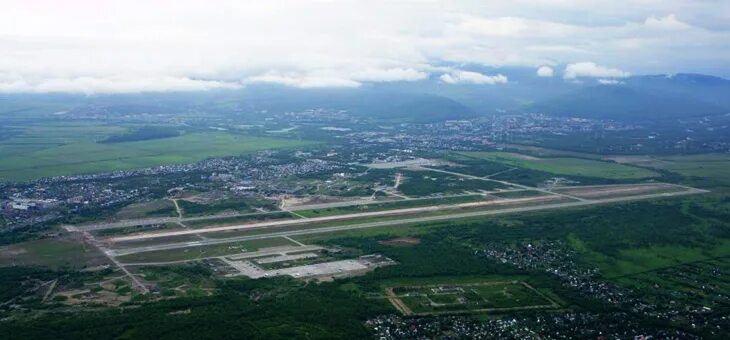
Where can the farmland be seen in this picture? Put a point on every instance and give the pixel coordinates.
(71, 149)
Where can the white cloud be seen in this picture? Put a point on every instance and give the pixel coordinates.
(308, 43)
(508, 26)
(90, 85)
(305, 81)
(669, 22)
(391, 74)
(467, 77)
(545, 71)
(590, 69)
(609, 82)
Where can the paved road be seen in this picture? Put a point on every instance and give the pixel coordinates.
(108, 253)
(401, 222)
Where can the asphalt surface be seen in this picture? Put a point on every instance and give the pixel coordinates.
(163, 220)
(404, 221)
(280, 223)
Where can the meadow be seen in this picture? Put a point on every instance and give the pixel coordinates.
(75, 149)
(707, 170)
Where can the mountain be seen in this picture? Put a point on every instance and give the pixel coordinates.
(626, 103)
(647, 97)
(709, 89)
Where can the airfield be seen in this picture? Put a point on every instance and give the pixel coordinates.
(245, 244)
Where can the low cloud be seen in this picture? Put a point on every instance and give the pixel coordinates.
(669, 22)
(609, 82)
(91, 85)
(305, 81)
(590, 69)
(467, 77)
(545, 71)
(391, 74)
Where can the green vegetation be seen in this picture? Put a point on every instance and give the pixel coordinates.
(191, 279)
(73, 149)
(423, 183)
(566, 165)
(604, 236)
(708, 170)
(156, 208)
(255, 217)
(144, 133)
(238, 205)
(53, 253)
(687, 282)
(256, 309)
(137, 229)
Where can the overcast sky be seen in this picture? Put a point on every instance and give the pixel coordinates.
(97, 46)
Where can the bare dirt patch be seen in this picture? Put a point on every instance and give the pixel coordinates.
(401, 242)
(299, 201)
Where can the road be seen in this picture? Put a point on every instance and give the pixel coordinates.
(404, 221)
(109, 254)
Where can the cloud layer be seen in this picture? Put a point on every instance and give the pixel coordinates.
(589, 69)
(467, 77)
(102, 46)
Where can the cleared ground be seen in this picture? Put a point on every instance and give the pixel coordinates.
(458, 298)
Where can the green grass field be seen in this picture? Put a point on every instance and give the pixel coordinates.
(709, 169)
(565, 165)
(73, 149)
(53, 253)
(156, 208)
(424, 183)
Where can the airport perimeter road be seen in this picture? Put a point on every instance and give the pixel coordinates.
(335, 218)
(401, 222)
